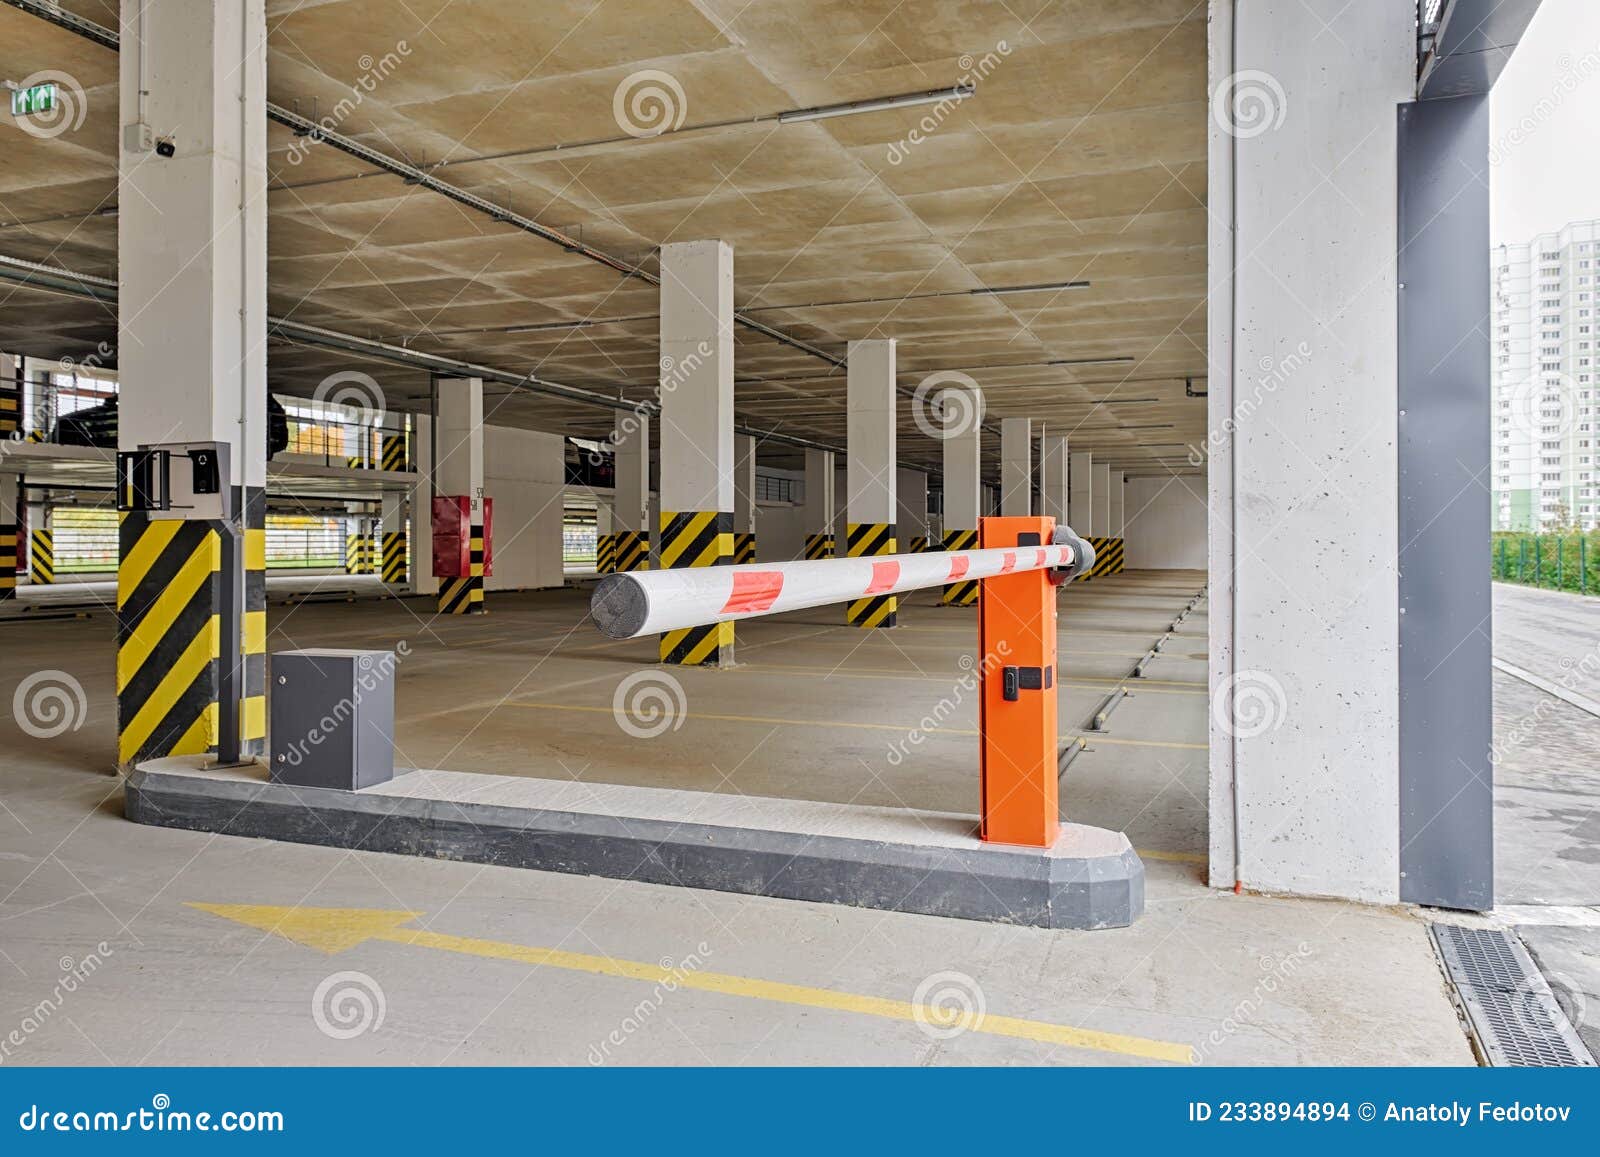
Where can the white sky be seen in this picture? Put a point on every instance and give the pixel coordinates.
(1548, 175)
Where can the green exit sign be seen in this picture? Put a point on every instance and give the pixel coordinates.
(27, 101)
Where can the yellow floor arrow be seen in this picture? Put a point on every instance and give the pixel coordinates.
(333, 930)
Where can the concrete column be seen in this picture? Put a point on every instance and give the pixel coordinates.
(458, 473)
(1101, 517)
(420, 500)
(697, 460)
(963, 503)
(819, 504)
(11, 397)
(191, 345)
(12, 551)
(630, 522)
(1080, 492)
(355, 540)
(392, 566)
(744, 498)
(39, 547)
(1304, 337)
(1116, 525)
(871, 468)
(1053, 478)
(1016, 466)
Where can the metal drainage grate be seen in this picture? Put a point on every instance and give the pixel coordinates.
(1512, 1012)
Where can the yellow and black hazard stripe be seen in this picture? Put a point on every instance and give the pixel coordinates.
(42, 557)
(605, 553)
(394, 453)
(630, 550)
(168, 637)
(919, 544)
(10, 409)
(464, 595)
(356, 462)
(1107, 557)
(394, 556)
(965, 592)
(253, 643)
(865, 539)
(1114, 549)
(697, 538)
(354, 545)
(819, 546)
(744, 548)
(8, 560)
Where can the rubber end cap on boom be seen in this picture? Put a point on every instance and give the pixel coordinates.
(1082, 555)
(619, 606)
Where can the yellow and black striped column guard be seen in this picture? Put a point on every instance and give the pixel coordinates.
(965, 592)
(697, 538)
(394, 556)
(168, 637)
(744, 548)
(819, 546)
(8, 560)
(865, 539)
(10, 410)
(605, 553)
(355, 546)
(394, 452)
(42, 557)
(464, 595)
(630, 550)
(919, 545)
(253, 644)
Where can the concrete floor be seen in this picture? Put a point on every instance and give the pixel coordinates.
(1547, 792)
(812, 712)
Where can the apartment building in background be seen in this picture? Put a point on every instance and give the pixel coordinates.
(1544, 344)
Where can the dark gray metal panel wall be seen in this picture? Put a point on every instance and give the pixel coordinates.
(1446, 782)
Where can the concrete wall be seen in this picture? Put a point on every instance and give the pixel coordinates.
(1304, 371)
(1166, 523)
(524, 473)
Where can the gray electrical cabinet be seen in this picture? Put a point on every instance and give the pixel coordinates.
(332, 716)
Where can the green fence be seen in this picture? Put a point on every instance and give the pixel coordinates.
(1557, 562)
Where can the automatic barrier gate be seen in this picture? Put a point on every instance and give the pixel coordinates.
(1019, 562)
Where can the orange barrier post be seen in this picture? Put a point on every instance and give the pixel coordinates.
(1017, 692)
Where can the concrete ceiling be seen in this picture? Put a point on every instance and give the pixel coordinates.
(1080, 157)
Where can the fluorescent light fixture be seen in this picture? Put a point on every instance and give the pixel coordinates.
(1032, 288)
(957, 92)
(1089, 361)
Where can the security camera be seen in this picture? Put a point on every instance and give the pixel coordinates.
(165, 147)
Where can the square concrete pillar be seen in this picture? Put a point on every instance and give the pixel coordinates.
(628, 541)
(1053, 478)
(744, 498)
(697, 455)
(871, 469)
(1080, 492)
(458, 472)
(1101, 517)
(819, 510)
(420, 500)
(1016, 466)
